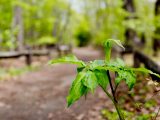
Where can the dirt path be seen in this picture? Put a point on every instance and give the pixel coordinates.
(41, 95)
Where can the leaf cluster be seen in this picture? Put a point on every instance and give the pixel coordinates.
(94, 73)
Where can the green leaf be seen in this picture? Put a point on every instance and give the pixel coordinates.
(118, 80)
(80, 69)
(68, 59)
(90, 80)
(144, 70)
(97, 63)
(110, 68)
(117, 63)
(128, 76)
(108, 45)
(102, 78)
(109, 42)
(77, 89)
(131, 79)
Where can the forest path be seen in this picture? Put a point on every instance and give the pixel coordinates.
(41, 95)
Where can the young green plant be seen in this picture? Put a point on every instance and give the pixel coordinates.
(97, 73)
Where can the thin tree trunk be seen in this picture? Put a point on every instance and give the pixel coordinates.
(131, 35)
(66, 24)
(129, 6)
(156, 41)
(55, 27)
(0, 40)
(18, 23)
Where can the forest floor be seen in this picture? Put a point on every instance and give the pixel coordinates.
(41, 95)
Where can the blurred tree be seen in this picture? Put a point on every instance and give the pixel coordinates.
(39, 23)
(30, 20)
(130, 34)
(5, 19)
(144, 25)
(101, 17)
(156, 40)
(18, 23)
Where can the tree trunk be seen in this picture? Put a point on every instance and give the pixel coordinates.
(64, 28)
(131, 35)
(18, 23)
(156, 41)
(55, 28)
(0, 40)
(139, 58)
(129, 6)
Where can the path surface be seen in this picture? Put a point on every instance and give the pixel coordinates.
(41, 95)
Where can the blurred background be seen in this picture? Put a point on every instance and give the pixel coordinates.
(34, 31)
(33, 23)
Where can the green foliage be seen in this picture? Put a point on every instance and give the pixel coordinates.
(109, 115)
(109, 19)
(47, 40)
(128, 76)
(102, 78)
(77, 89)
(7, 42)
(93, 73)
(108, 45)
(13, 72)
(39, 19)
(57, 18)
(113, 115)
(150, 103)
(83, 38)
(101, 19)
(90, 80)
(128, 115)
(144, 70)
(68, 59)
(83, 34)
(144, 117)
(116, 63)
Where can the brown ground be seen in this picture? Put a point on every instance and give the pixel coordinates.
(41, 95)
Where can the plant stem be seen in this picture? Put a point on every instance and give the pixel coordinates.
(116, 106)
(111, 86)
(115, 89)
(108, 55)
(107, 93)
(114, 98)
(116, 86)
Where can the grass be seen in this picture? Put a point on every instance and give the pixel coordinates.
(9, 73)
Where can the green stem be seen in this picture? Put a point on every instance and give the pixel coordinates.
(120, 114)
(116, 106)
(107, 93)
(111, 86)
(114, 99)
(108, 54)
(115, 89)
